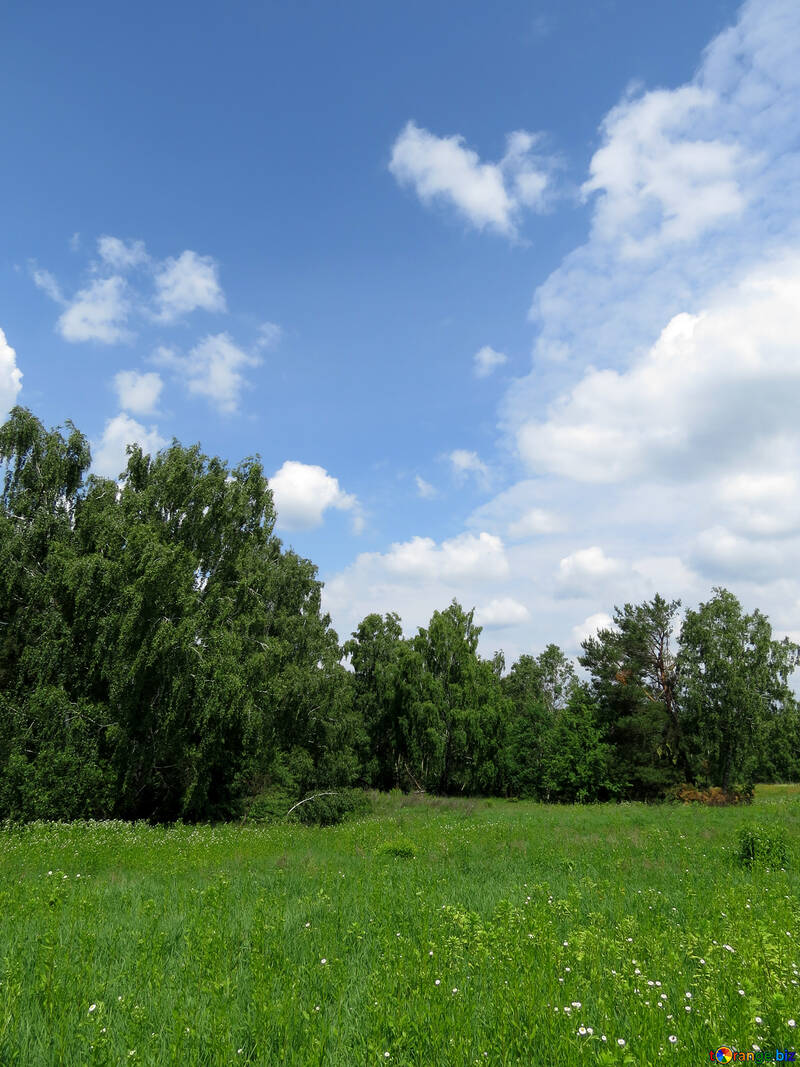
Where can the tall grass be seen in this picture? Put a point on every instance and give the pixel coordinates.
(431, 933)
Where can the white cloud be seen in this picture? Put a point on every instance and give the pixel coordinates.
(269, 335)
(589, 627)
(425, 489)
(138, 392)
(120, 256)
(488, 195)
(45, 281)
(186, 284)
(98, 313)
(465, 462)
(535, 522)
(486, 359)
(502, 611)
(303, 492)
(657, 183)
(213, 369)
(715, 387)
(10, 376)
(467, 555)
(583, 572)
(762, 503)
(659, 416)
(109, 457)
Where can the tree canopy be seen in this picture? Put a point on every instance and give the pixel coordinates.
(163, 656)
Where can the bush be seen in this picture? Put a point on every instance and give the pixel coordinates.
(270, 806)
(332, 808)
(714, 796)
(762, 846)
(322, 809)
(399, 848)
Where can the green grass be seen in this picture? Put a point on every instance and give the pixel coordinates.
(272, 945)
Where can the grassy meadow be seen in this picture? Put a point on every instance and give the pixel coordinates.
(433, 932)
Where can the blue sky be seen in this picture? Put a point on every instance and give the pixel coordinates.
(507, 297)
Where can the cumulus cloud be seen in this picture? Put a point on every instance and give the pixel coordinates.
(714, 387)
(213, 369)
(109, 457)
(488, 195)
(486, 360)
(590, 626)
(467, 555)
(10, 376)
(583, 572)
(138, 392)
(98, 313)
(186, 284)
(304, 492)
(119, 255)
(535, 522)
(657, 183)
(658, 418)
(501, 612)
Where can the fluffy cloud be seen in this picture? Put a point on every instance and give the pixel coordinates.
(304, 492)
(535, 522)
(583, 572)
(501, 612)
(488, 195)
(186, 284)
(486, 360)
(10, 376)
(657, 183)
(466, 556)
(589, 627)
(213, 369)
(120, 256)
(138, 392)
(716, 387)
(659, 416)
(109, 453)
(98, 313)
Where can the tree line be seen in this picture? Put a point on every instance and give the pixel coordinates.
(163, 655)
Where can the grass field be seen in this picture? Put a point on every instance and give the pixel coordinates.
(514, 934)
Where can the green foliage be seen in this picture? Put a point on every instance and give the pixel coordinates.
(734, 688)
(160, 651)
(188, 943)
(271, 806)
(330, 809)
(398, 848)
(163, 656)
(762, 845)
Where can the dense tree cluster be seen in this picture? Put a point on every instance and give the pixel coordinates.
(163, 655)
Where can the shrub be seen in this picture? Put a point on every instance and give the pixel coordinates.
(332, 808)
(762, 846)
(274, 805)
(399, 848)
(270, 806)
(713, 796)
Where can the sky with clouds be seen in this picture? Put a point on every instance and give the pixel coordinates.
(507, 299)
